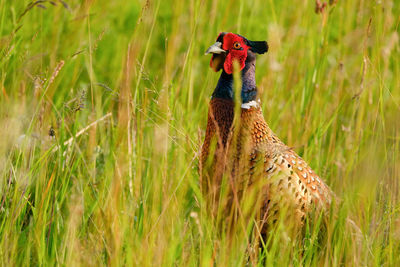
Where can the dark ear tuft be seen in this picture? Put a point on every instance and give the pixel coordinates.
(259, 47)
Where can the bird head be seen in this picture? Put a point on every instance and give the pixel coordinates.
(230, 47)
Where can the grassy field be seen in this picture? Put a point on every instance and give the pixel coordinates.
(103, 110)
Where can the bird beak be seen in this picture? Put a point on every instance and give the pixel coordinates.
(215, 49)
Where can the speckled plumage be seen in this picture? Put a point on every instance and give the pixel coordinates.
(289, 182)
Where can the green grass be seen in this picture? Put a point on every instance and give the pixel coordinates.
(125, 191)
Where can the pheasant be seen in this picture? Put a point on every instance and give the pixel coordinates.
(288, 182)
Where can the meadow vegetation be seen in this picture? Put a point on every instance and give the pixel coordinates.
(103, 108)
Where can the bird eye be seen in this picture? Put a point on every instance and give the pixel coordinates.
(237, 45)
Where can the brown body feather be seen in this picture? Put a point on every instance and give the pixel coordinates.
(288, 183)
(213, 153)
(282, 180)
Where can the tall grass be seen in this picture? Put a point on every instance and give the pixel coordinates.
(103, 111)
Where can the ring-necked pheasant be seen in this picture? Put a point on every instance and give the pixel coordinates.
(289, 183)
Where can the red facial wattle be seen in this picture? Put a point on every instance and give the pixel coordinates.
(212, 61)
(234, 54)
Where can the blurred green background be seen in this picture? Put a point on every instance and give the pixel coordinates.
(103, 110)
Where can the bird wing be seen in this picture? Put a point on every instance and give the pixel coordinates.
(290, 181)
